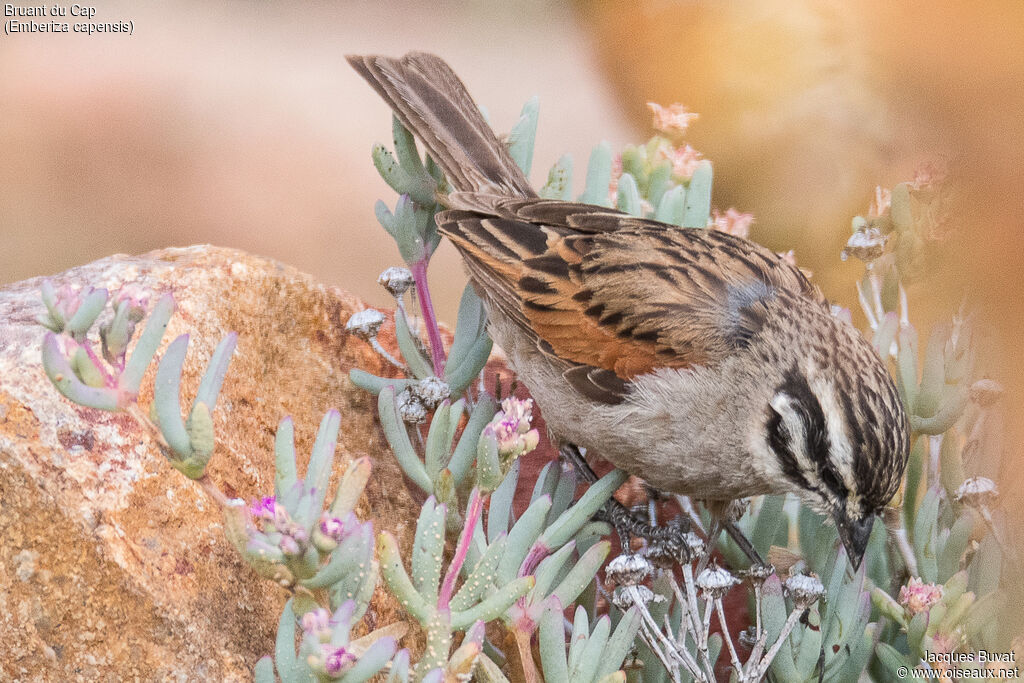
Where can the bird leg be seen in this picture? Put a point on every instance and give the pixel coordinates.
(723, 518)
(626, 523)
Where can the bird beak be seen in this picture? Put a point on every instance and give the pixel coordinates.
(854, 533)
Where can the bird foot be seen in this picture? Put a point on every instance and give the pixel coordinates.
(629, 524)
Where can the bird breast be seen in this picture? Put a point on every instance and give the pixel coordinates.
(692, 431)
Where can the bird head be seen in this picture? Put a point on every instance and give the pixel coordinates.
(839, 434)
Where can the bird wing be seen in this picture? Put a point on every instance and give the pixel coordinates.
(613, 296)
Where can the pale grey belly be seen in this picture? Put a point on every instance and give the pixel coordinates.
(687, 442)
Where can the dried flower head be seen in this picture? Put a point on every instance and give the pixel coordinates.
(365, 324)
(978, 492)
(759, 573)
(432, 390)
(985, 392)
(867, 244)
(411, 408)
(918, 596)
(805, 589)
(672, 120)
(628, 570)
(731, 221)
(396, 280)
(625, 597)
(715, 581)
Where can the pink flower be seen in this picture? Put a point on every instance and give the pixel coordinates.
(672, 120)
(684, 161)
(336, 529)
(732, 221)
(880, 203)
(337, 660)
(136, 297)
(317, 623)
(929, 174)
(511, 428)
(918, 596)
(264, 508)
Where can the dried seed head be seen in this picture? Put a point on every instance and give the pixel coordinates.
(805, 589)
(695, 544)
(985, 392)
(978, 492)
(715, 581)
(867, 244)
(628, 570)
(411, 407)
(625, 597)
(759, 573)
(431, 391)
(365, 324)
(396, 280)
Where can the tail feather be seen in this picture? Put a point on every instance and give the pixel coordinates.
(430, 100)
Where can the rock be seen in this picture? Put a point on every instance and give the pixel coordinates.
(115, 566)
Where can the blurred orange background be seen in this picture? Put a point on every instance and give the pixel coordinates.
(239, 124)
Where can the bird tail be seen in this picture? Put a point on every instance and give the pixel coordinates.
(430, 100)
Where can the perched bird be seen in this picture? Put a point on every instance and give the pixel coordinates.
(697, 360)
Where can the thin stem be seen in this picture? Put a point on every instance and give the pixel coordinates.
(653, 637)
(387, 356)
(473, 512)
(708, 607)
(419, 275)
(986, 514)
(763, 665)
(904, 314)
(691, 599)
(866, 307)
(906, 551)
(876, 293)
(728, 638)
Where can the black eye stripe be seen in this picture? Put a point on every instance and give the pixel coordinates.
(817, 445)
(779, 441)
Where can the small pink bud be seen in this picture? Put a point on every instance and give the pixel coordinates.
(672, 120)
(918, 596)
(732, 221)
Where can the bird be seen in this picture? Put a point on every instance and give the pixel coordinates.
(699, 361)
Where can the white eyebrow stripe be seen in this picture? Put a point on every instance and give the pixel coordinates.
(784, 404)
(841, 450)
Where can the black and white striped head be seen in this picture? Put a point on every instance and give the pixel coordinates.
(840, 437)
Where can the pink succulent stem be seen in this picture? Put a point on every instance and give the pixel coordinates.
(461, 550)
(537, 553)
(419, 276)
(108, 379)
